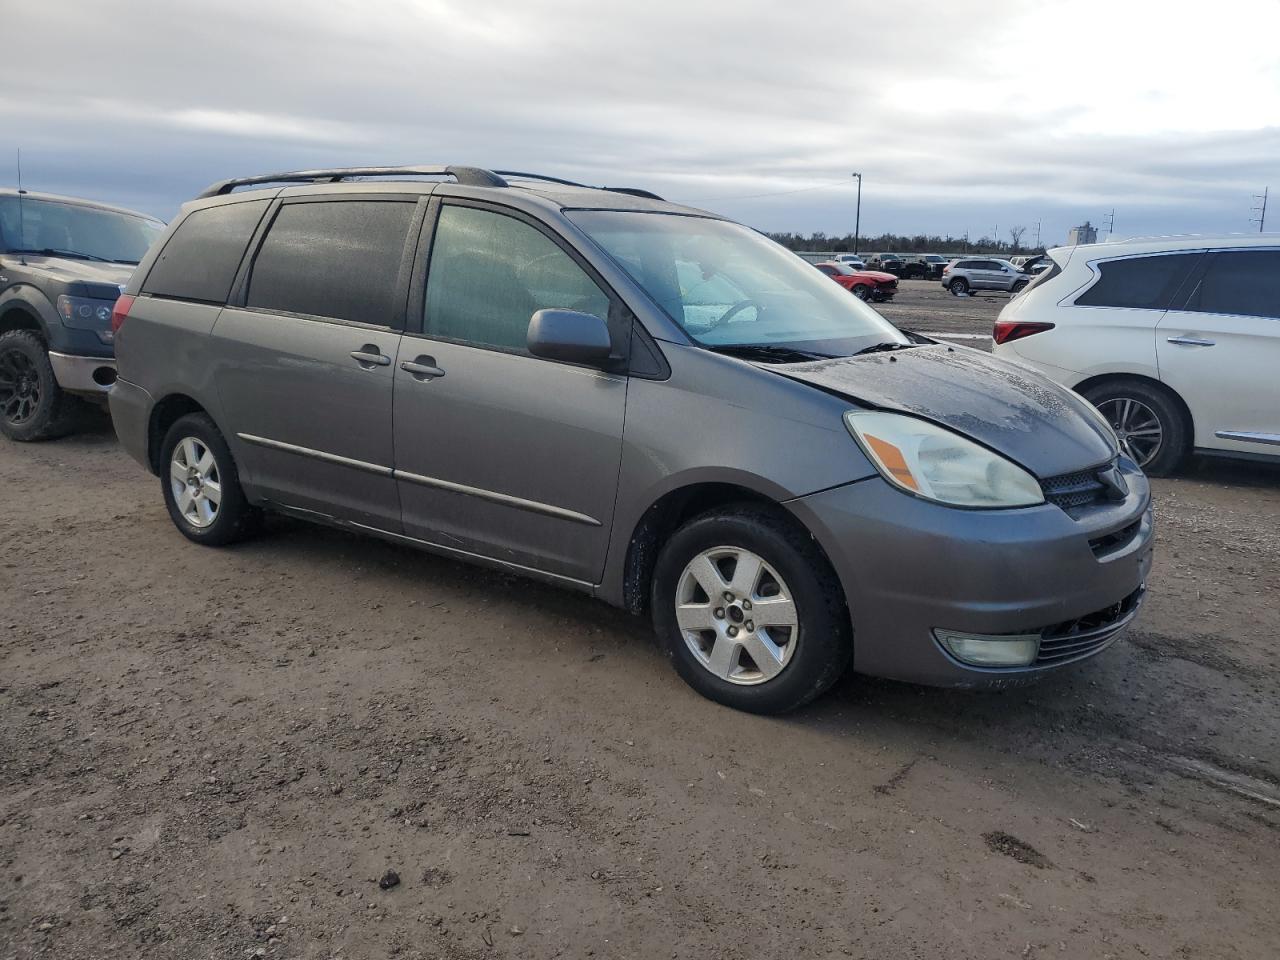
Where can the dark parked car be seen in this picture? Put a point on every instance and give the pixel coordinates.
(635, 399)
(63, 263)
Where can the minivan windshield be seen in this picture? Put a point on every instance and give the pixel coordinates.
(80, 232)
(729, 287)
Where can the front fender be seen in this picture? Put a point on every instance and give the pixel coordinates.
(28, 299)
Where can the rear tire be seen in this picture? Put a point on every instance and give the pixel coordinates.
(1130, 403)
(958, 286)
(202, 486)
(802, 638)
(32, 405)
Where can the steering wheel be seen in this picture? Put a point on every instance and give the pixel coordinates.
(734, 311)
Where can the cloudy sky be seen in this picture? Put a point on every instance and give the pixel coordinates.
(961, 117)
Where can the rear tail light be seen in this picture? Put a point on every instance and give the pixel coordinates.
(1009, 330)
(946, 269)
(120, 311)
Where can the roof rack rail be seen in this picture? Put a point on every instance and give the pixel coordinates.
(471, 176)
(630, 191)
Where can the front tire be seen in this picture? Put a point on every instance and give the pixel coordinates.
(202, 486)
(1148, 420)
(749, 610)
(1019, 286)
(32, 405)
(861, 291)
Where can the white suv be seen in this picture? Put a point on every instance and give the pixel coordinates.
(1176, 340)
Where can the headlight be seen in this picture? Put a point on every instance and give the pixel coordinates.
(931, 462)
(83, 313)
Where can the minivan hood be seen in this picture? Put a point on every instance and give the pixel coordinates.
(1014, 411)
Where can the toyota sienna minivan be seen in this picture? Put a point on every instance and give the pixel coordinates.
(635, 399)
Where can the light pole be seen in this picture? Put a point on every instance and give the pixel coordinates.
(857, 217)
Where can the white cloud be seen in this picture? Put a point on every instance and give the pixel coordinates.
(1019, 111)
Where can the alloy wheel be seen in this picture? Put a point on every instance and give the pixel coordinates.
(737, 615)
(195, 482)
(19, 387)
(1137, 426)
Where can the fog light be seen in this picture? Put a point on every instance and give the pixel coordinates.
(985, 650)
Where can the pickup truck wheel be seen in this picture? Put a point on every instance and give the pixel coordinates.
(32, 405)
(861, 291)
(201, 485)
(958, 286)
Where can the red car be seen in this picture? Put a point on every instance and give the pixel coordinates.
(863, 284)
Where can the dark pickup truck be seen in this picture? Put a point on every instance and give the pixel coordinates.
(63, 263)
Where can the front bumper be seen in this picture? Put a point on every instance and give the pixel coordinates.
(909, 567)
(83, 374)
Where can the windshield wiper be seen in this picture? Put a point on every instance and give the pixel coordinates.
(884, 347)
(54, 252)
(770, 352)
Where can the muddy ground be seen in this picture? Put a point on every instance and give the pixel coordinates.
(220, 753)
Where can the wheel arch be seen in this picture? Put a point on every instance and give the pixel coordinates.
(164, 414)
(17, 315)
(25, 307)
(669, 512)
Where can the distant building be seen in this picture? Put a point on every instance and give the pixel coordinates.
(1082, 234)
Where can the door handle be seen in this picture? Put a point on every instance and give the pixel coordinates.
(1192, 341)
(369, 356)
(423, 368)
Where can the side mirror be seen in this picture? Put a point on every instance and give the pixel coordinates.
(569, 336)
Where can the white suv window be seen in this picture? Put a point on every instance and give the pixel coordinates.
(1139, 283)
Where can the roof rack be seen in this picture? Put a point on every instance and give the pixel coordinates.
(630, 191)
(471, 176)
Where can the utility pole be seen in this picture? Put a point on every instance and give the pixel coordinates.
(1261, 211)
(1111, 223)
(857, 217)
(1037, 234)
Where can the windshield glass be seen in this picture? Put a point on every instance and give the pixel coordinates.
(74, 230)
(728, 286)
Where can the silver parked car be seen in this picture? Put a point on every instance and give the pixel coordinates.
(983, 273)
(642, 401)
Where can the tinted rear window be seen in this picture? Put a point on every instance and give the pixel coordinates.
(1242, 282)
(1141, 283)
(200, 260)
(337, 259)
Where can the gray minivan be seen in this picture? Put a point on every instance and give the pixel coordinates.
(635, 399)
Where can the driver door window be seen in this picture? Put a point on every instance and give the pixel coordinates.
(490, 273)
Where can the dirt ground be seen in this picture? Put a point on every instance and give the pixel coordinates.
(220, 753)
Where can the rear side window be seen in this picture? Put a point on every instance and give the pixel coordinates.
(200, 260)
(1240, 282)
(490, 273)
(338, 259)
(1139, 283)
(829, 271)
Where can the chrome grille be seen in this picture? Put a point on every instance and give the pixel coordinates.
(1070, 491)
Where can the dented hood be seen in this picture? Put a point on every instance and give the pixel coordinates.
(1014, 411)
